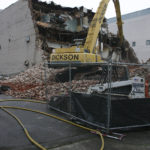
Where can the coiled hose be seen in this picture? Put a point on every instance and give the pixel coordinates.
(43, 113)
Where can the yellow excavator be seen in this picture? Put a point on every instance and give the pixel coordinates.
(88, 53)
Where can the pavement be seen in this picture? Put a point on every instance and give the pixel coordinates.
(57, 135)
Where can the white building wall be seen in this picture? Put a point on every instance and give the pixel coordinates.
(16, 26)
(137, 30)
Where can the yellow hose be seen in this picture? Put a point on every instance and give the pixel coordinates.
(25, 130)
(24, 100)
(52, 116)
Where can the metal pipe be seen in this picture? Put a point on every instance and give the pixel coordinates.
(127, 127)
(74, 117)
(70, 89)
(109, 96)
(96, 63)
(46, 90)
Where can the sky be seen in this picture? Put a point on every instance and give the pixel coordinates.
(127, 6)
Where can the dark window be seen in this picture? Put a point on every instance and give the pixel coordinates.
(27, 39)
(133, 44)
(147, 42)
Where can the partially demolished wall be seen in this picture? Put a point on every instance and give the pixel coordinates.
(59, 26)
(17, 39)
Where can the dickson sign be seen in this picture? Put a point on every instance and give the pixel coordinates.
(65, 57)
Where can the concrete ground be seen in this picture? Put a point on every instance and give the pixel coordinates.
(57, 135)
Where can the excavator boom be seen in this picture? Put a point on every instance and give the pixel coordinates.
(87, 53)
(119, 20)
(95, 26)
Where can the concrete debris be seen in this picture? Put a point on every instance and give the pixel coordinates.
(32, 84)
(140, 71)
(63, 18)
(43, 24)
(130, 55)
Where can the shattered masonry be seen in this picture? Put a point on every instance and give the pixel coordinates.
(59, 26)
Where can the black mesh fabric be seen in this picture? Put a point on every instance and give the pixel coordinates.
(124, 112)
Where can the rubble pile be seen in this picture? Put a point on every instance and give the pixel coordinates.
(32, 84)
(58, 26)
(140, 71)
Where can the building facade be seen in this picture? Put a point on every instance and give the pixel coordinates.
(31, 29)
(17, 38)
(136, 31)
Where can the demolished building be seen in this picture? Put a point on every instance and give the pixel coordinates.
(28, 26)
(31, 29)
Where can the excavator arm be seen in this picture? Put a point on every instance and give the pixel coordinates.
(119, 21)
(97, 23)
(86, 53)
(95, 26)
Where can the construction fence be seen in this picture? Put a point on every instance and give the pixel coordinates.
(98, 94)
(112, 96)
